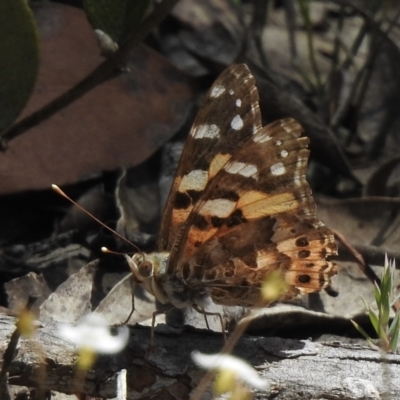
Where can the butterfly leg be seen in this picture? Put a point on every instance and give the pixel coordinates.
(205, 318)
(153, 322)
(205, 313)
(132, 282)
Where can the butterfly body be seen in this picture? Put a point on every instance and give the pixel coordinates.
(239, 209)
(166, 288)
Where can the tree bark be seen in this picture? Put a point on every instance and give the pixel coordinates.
(295, 368)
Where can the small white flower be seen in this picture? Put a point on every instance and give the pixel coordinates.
(226, 362)
(93, 333)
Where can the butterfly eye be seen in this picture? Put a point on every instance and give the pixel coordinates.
(138, 258)
(145, 269)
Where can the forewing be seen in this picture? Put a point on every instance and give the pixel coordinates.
(257, 215)
(231, 103)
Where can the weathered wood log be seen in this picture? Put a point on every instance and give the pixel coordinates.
(295, 368)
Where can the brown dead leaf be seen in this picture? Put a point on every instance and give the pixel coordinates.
(120, 123)
(48, 263)
(20, 289)
(71, 300)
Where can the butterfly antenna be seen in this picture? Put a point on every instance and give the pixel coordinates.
(108, 251)
(63, 194)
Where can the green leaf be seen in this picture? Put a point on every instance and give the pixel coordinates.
(386, 284)
(116, 18)
(361, 330)
(19, 59)
(386, 291)
(385, 315)
(384, 339)
(374, 320)
(377, 293)
(394, 333)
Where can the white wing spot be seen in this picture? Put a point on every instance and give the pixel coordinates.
(253, 108)
(296, 177)
(217, 90)
(284, 153)
(256, 128)
(206, 131)
(286, 128)
(220, 208)
(194, 180)
(238, 103)
(231, 92)
(237, 123)
(243, 169)
(278, 169)
(261, 138)
(278, 142)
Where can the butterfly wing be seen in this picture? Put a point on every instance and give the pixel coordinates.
(232, 245)
(255, 215)
(211, 141)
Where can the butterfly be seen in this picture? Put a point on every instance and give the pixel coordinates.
(239, 209)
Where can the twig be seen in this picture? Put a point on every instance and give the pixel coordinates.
(364, 266)
(372, 254)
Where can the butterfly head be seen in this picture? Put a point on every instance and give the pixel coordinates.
(147, 268)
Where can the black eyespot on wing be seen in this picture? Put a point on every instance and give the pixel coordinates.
(302, 242)
(304, 278)
(304, 253)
